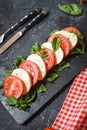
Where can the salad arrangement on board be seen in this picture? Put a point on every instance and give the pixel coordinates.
(21, 85)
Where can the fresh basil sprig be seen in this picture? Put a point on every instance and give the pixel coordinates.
(56, 43)
(72, 9)
(37, 49)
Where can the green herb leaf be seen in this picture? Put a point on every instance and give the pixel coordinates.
(72, 9)
(32, 96)
(18, 61)
(42, 54)
(23, 102)
(35, 48)
(7, 73)
(51, 77)
(63, 65)
(41, 88)
(81, 48)
(55, 30)
(76, 51)
(12, 101)
(56, 43)
(1, 84)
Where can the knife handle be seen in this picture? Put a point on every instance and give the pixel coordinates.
(35, 20)
(23, 20)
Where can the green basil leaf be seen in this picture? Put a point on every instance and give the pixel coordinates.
(1, 84)
(42, 54)
(72, 9)
(7, 73)
(82, 43)
(51, 77)
(63, 65)
(55, 30)
(56, 43)
(81, 48)
(41, 88)
(31, 96)
(76, 51)
(18, 61)
(11, 101)
(35, 48)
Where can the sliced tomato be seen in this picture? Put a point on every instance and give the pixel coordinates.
(13, 86)
(72, 29)
(64, 43)
(50, 60)
(32, 69)
(83, 0)
(49, 128)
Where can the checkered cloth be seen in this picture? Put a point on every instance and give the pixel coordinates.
(73, 114)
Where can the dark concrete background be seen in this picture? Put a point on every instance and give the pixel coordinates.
(11, 11)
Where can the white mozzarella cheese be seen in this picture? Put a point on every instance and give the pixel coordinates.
(71, 36)
(24, 76)
(40, 62)
(59, 53)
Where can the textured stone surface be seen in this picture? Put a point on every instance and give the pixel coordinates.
(11, 11)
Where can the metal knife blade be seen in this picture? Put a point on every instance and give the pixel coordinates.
(19, 34)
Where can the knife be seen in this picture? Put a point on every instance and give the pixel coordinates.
(19, 34)
(31, 15)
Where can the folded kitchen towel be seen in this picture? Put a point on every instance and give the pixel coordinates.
(73, 114)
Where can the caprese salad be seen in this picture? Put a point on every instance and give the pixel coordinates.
(41, 60)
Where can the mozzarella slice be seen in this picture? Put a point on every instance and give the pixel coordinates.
(71, 36)
(40, 62)
(59, 53)
(24, 76)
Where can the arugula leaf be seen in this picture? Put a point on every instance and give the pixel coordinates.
(51, 77)
(56, 43)
(63, 65)
(18, 61)
(72, 9)
(35, 48)
(55, 30)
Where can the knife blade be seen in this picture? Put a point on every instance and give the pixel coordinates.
(19, 34)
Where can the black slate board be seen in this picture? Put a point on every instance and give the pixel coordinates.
(56, 20)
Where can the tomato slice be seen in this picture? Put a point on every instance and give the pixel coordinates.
(13, 86)
(64, 43)
(50, 60)
(72, 29)
(32, 69)
(49, 128)
(83, 0)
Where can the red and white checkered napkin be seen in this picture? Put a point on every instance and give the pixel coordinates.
(73, 114)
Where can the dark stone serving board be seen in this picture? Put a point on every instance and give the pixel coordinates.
(55, 20)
